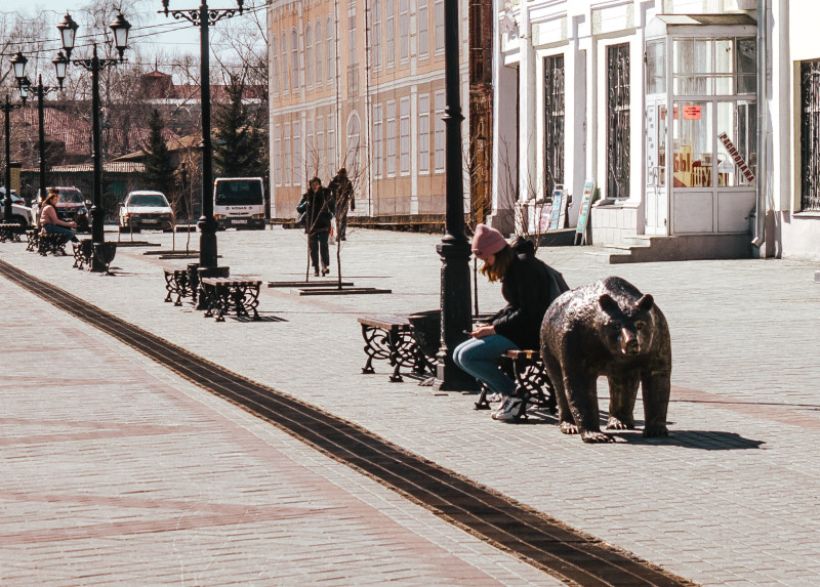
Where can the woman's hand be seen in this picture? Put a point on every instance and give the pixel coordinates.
(483, 331)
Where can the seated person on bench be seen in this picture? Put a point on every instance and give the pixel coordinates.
(529, 286)
(52, 223)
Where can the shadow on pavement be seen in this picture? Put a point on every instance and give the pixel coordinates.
(698, 439)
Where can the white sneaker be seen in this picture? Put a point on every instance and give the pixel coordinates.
(511, 409)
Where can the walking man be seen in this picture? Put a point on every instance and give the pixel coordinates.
(342, 191)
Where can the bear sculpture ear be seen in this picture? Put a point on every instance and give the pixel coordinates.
(608, 305)
(646, 302)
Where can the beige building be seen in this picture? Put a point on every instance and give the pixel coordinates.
(360, 84)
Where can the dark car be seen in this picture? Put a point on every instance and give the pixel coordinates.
(70, 207)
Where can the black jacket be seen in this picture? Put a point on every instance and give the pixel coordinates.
(529, 286)
(342, 189)
(318, 208)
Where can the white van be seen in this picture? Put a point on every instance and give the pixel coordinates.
(239, 202)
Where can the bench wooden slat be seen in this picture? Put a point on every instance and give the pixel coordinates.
(529, 354)
(384, 321)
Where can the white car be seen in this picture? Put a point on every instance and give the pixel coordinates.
(146, 209)
(20, 213)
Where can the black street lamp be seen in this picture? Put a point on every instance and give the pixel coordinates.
(68, 31)
(456, 317)
(204, 17)
(42, 91)
(7, 108)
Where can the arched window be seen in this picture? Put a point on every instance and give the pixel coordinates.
(294, 52)
(331, 51)
(318, 49)
(354, 132)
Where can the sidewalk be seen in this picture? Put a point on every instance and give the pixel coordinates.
(106, 482)
(731, 498)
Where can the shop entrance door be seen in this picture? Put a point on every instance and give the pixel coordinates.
(657, 191)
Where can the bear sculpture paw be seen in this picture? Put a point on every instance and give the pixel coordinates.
(655, 431)
(569, 428)
(617, 424)
(594, 436)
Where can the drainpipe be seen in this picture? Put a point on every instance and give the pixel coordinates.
(762, 157)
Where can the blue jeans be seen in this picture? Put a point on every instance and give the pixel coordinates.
(479, 358)
(54, 229)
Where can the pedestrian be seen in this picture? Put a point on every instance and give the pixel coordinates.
(317, 206)
(342, 191)
(52, 223)
(529, 286)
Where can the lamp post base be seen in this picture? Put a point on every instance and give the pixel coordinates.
(101, 256)
(456, 316)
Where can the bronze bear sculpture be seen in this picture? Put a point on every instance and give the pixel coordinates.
(607, 328)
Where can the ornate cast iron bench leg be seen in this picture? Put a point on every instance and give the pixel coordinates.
(368, 335)
(181, 281)
(169, 286)
(393, 341)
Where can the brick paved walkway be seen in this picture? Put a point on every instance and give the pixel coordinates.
(117, 472)
(731, 498)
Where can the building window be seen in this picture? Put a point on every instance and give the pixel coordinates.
(618, 121)
(422, 24)
(298, 169)
(404, 136)
(424, 134)
(277, 155)
(274, 66)
(404, 30)
(553, 122)
(707, 67)
(294, 52)
(440, 133)
(311, 158)
(376, 36)
(378, 141)
(331, 144)
(438, 9)
(331, 51)
(287, 174)
(656, 67)
(390, 32)
(285, 73)
(308, 56)
(317, 48)
(391, 139)
(354, 131)
(319, 145)
(352, 67)
(810, 135)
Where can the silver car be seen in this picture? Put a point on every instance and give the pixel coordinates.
(145, 209)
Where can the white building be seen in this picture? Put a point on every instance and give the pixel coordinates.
(656, 101)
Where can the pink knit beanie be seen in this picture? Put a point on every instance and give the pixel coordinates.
(487, 241)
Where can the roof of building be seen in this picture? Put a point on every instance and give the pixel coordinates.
(110, 167)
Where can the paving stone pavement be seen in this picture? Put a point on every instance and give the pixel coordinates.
(731, 498)
(105, 482)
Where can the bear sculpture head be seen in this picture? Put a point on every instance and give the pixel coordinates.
(628, 328)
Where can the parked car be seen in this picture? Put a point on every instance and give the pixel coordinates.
(71, 206)
(145, 209)
(20, 213)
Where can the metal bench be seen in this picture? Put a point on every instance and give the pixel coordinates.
(531, 380)
(51, 243)
(240, 293)
(11, 231)
(178, 283)
(82, 253)
(389, 337)
(33, 238)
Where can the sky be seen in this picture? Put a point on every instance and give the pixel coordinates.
(165, 35)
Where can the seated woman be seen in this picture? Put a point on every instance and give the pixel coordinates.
(529, 286)
(52, 223)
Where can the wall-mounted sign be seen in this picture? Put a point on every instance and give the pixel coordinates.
(732, 150)
(583, 213)
(691, 112)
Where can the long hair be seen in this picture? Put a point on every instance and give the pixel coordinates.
(501, 263)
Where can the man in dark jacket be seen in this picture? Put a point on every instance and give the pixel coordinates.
(342, 191)
(317, 205)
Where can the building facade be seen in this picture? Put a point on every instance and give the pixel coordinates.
(360, 84)
(658, 103)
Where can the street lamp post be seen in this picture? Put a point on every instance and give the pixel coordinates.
(204, 17)
(454, 249)
(7, 108)
(20, 62)
(68, 30)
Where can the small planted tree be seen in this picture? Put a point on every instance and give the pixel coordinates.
(239, 147)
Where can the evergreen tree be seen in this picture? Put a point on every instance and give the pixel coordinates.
(239, 149)
(159, 173)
